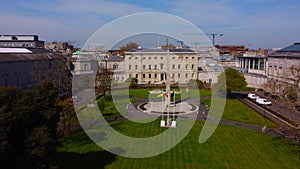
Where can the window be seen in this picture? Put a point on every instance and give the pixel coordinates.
(136, 67)
(173, 66)
(178, 75)
(144, 58)
(155, 66)
(129, 58)
(162, 76)
(149, 58)
(161, 58)
(186, 66)
(155, 75)
(193, 57)
(161, 66)
(144, 75)
(186, 75)
(129, 67)
(174, 58)
(155, 58)
(149, 75)
(186, 58)
(192, 75)
(193, 66)
(173, 75)
(115, 66)
(149, 66)
(136, 76)
(178, 66)
(144, 66)
(136, 58)
(85, 66)
(129, 75)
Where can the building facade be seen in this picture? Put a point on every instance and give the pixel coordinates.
(283, 71)
(255, 65)
(153, 66)
(24, 68)
(19, 41)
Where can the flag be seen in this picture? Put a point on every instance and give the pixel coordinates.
(160, 95)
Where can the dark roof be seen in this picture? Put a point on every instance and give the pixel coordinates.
(37, 54)
(293, 48)
(183, 50)
(292, 51)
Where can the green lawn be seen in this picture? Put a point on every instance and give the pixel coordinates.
(229, 147)
(144, 93)
(237, 111)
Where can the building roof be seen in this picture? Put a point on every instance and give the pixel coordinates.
(26, 54)
(156, 50)
(290, 51)
(14, 50)
(293, 48)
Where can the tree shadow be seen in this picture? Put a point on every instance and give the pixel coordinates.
(93, 160)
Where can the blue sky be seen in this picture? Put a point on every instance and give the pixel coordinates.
(258, 23)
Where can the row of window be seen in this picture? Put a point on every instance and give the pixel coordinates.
(155, 57)
(162, 66)
(162, 76)
(17, 45)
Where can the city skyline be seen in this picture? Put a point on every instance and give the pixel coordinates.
(254, 23)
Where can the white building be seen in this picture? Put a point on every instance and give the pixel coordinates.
(150, 66)
(255, 68)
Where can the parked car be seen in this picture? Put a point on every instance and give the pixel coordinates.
(252, 96)
(267, 93)
(263, 101)
(275, 96)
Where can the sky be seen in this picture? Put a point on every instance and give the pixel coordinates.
(253, 23)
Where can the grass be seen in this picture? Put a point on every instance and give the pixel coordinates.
(229, 147)
(237, 111)
(144, 93)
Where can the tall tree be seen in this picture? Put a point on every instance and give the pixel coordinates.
(103, 80)
(28, 123)
(126, 47)
(231, 80)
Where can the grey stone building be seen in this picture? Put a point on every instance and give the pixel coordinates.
(25, 67)
(14, 41)
(283, 72)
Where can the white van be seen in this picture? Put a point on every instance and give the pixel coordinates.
(252, 96)
(263, 102)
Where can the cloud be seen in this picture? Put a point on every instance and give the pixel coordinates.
(253, 21)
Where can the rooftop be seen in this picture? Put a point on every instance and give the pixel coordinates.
(26, 54)
(290, 51)
(155, 50)
(293, 48)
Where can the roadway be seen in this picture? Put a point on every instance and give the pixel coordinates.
(291, 116)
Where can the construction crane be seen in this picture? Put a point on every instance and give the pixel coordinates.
(214, 35)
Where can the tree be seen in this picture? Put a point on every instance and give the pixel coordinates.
(128, 46)
(231, 80)
(294, 91)
(133, 83)
(103, 81)
(28, 123)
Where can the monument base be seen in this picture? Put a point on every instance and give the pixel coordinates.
(162, 123)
